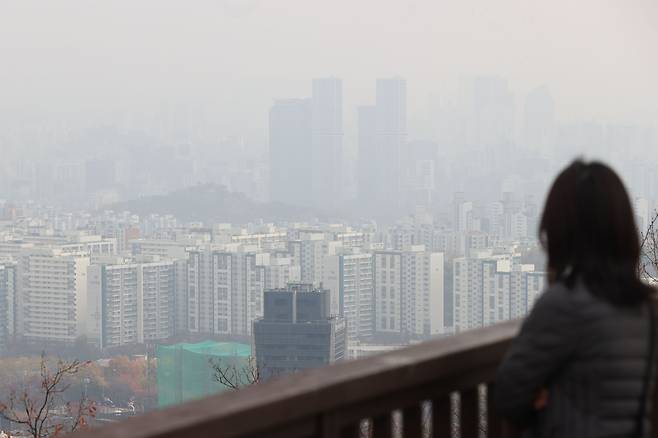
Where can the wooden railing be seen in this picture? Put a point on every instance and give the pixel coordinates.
(434, 389)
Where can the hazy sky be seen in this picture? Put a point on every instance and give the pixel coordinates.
(87, 58)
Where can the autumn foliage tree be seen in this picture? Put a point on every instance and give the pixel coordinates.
(131, 379)
(39, 405)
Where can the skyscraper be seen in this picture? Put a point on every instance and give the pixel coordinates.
(327, 141)
(539, 125)
(290, 152)
(369, 167)
(382, 145)
(297, 331)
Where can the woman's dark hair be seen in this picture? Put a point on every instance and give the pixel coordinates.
(588, 230)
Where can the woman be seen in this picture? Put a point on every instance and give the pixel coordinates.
(580, 366)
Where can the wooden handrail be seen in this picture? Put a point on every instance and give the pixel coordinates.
(331, 400)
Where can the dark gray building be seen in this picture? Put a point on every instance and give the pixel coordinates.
(383, 152)
(290, 152)
(327, 142)
(297, 331)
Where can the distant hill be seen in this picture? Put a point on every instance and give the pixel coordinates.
(213, 203)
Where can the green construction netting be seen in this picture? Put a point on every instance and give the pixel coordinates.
(185, 372)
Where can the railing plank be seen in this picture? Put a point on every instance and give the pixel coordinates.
(442, 417)
(382, 426)
(351, 431)
(495, 424)
(412, 421)
(360, 385)
(469, 418)
(653, 415)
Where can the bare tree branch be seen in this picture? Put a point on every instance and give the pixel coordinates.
(35, 410)
(234, 376)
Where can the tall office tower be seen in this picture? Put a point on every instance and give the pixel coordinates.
(7, 304)
(224, 292)
(539, 125)
(349, 280)
(462, 213)
(492, 288)
(492, 116)
(409, 293)
(382, 145)
(291, 172)
(297, 331)
(52, 295)
(99, 175)
(131, 303)
(370, 159)
(327, 141)
(308, 254)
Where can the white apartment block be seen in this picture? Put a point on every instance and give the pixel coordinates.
(7, 304)
(308, 254)
(52, 295)
(92, 245)
(224, 292)
(162, 248)
(131, 303)
(409, 292)
(278, 270)
(264, 241)
(490, 289)
(349, 278)
(224, 289)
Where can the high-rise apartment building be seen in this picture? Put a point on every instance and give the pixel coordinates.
(52, 295)
(349, 279)
(131, 303)
(278, 270)
(327, 141)
(308, 254)
(409, 293)
(492, 288)
(297, 331)
(291, 174)
(224, 292)
(7, 304)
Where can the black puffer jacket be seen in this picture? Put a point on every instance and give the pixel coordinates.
(592, 358)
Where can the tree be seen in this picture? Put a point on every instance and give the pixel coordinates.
(131, 381)
(234, 374)
(41, 407)
(649, 246)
